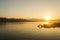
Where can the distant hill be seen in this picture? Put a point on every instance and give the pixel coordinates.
(22, 20)
(13, 20)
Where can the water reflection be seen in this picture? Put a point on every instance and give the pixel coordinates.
(28, 30)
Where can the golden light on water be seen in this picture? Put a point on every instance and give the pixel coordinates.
(46, 22)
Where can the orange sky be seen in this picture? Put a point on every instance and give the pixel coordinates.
(30, 8)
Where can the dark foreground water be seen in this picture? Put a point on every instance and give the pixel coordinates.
(27, 31)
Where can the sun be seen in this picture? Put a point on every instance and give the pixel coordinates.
(47, 17)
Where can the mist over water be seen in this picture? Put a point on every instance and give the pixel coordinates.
(27, 31)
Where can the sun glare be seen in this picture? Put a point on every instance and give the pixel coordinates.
(47, 17)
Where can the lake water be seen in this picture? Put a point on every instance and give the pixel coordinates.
(27, 31)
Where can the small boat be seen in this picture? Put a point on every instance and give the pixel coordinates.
(39, 25)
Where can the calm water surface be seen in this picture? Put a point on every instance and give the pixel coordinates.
(27, 31)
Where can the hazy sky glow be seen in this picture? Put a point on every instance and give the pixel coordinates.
(29, 8)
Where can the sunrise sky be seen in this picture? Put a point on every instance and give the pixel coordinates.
(30, 8)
